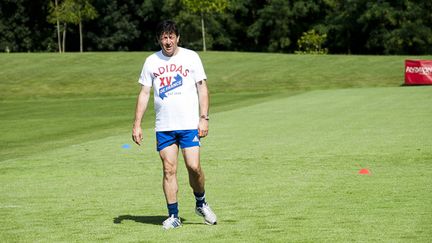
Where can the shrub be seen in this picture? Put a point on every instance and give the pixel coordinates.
(311, 43)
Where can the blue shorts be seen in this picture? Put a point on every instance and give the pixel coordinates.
(185, 138)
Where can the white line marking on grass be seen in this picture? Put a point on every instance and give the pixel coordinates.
(10, 206)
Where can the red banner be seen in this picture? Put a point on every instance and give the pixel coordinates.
(418, 72)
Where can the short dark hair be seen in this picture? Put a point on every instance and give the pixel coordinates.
(167, 26)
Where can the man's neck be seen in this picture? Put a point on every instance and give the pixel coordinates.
(175, 52)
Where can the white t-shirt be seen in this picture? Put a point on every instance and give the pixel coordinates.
(174, 86)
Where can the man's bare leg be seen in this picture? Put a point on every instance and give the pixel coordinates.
(191, 157)
(169, 159)
(197, 181)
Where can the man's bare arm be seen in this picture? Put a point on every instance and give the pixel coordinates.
(203, 96)
(141, 107)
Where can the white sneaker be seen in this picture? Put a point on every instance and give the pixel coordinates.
(171, 223)
(206, 212)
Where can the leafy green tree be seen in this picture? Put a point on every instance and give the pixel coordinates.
(378, 27)
(77, 11)
(61, 15)
(395, 27)
(229, 28)
(54, 17)
(280, 22)
(205, 7)
(311, 43)
(15, 34)
(341, 24)
(70, 12)
(117, 27)
(150, 12)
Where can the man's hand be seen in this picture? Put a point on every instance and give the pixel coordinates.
(137, 135)
(203, 128)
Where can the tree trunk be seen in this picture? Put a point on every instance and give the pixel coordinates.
(81, 37)
(58, 28)
(64, 37)
(203, 31)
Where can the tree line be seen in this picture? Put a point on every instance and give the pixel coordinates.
(333, 26)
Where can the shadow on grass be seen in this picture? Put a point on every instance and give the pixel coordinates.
(156, 220)
(140, 219)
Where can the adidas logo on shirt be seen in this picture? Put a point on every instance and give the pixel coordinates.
(196, 139)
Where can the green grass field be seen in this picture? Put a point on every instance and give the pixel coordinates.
(288, 136)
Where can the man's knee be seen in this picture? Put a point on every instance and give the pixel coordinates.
(195, 169)
(169, 168)
(169, 172)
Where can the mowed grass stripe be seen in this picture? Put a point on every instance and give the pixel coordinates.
(33, 126)
(282, 170)
(50, 75)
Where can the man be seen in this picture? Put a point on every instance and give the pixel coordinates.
(181, 103)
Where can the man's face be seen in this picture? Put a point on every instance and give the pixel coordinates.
(169, 43)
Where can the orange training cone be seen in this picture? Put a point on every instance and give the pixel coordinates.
(364, 172)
